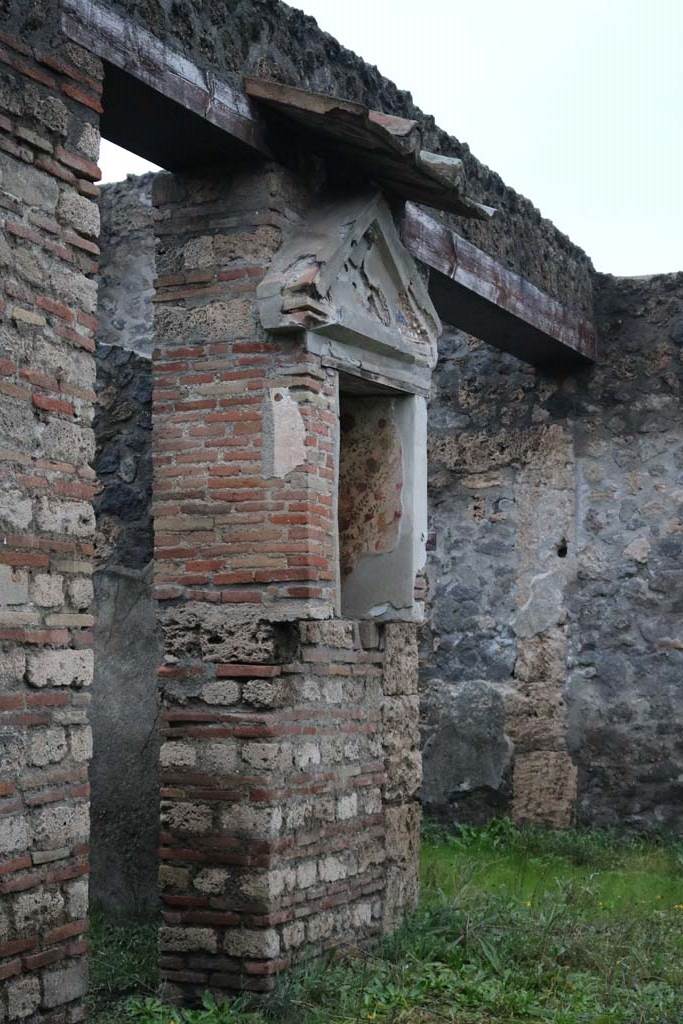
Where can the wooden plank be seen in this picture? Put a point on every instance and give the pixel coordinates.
(125, 45)
(474, 292)
(382, 148)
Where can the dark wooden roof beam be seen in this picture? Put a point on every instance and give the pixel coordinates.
(158, 103)
(476, 293)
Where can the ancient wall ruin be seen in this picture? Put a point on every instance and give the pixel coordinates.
(504, 471)
(289, 760)
(552, 649)
(624, 698)
(273, 40)
(290, 763)
(48, 150)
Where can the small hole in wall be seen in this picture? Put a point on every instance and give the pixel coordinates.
(278, 397)
(562, 549)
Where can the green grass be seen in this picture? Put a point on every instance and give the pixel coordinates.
(515, 926)
(123, 962)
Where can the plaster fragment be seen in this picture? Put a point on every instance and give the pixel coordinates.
(284, 434)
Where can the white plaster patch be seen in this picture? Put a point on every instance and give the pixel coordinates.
(284, 434)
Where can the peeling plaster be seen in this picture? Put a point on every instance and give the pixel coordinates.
(370, 481)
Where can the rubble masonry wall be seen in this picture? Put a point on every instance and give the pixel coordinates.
(125, 708)
(552, 653)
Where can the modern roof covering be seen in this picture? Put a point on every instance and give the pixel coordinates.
(163, 106)
(388, 149)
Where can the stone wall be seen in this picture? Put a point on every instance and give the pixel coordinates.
(126, 279)
(290, 761)
(290, 815)
(552, 648)
(503, 508)
(123, 456)
(124, 774)
(49, 224)
(624, 697)
(124, 377)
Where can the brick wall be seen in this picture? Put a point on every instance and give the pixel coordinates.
(244, 509)
(289, 763)
(49, 224)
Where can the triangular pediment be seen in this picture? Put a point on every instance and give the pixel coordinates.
(344, 274)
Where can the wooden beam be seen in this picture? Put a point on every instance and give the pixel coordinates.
(474, 292)
(176, 97)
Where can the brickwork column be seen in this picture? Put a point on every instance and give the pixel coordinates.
(49, 223)
(289, 755)
(244, 506)
(289, 760)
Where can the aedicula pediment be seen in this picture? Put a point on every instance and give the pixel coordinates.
(344, 274)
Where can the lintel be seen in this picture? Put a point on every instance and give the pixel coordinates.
(157, 102)
(474, 292)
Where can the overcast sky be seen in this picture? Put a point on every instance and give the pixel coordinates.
(577, 105)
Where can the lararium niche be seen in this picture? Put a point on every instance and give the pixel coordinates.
(382, 502)
(347, 279)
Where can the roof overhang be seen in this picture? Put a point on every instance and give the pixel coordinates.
(383, 148)
(163, 106)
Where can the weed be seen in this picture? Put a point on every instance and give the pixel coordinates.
(123, 962)
(515, 926)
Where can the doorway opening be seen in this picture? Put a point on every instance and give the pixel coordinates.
(124, 771)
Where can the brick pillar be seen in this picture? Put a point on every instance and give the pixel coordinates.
(280, 822)
(49, 224)
(244, 507)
